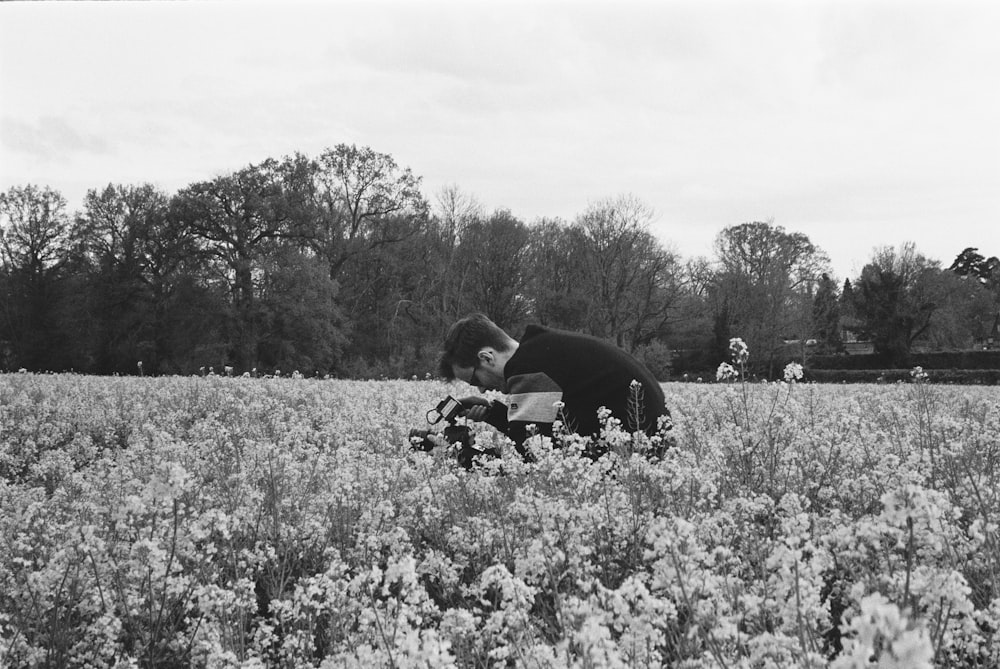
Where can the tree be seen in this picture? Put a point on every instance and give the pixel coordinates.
(414, 291)
(764, 287)
(455, 210)
(965, 310)
(362, 200)
(360, 205)
(826, 316)
(387, 317)
(492, 255)
(442, 297)
(34, 242)
(970, 263)
(238, 219)
(34, 231)
(982, 307)
(132, 252)
(301, 324)
(557, 280)
(893, 301)
(692, 333)
(633, 280)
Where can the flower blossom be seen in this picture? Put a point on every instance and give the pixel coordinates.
(739, 350)
(793, 372)
(726, 372)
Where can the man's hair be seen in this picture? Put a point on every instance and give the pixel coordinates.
(464, 341)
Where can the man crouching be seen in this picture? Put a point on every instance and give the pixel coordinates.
(549, 375)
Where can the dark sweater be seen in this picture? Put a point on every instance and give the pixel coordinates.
(582, 372)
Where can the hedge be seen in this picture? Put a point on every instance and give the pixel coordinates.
(984, 360)
(976, 377)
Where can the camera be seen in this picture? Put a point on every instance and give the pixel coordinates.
(447, 410)
(458, 437)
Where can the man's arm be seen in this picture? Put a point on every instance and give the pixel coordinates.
(534, 401)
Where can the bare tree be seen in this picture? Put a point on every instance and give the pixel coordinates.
(455, 212)
(633, 278)
(557, 276)
(363, 200)
(34, 229)
(492, 254)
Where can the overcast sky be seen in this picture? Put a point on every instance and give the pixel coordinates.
(857, 123)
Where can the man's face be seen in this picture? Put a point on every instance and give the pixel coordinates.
(487, 374)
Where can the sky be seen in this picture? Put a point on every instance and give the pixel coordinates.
(858, 124)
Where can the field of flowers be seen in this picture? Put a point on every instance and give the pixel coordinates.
(236, 522)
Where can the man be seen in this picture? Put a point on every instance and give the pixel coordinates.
(549, 375)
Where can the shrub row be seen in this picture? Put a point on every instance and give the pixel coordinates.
(948, 360)
(954, 376)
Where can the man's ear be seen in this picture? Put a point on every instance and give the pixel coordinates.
(485, 355)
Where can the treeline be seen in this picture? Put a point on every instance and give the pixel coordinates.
(339, 264)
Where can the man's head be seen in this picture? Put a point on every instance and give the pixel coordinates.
(475, 351)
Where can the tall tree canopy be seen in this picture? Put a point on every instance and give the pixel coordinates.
(763, 287)
(893, 300)
(493, 256)
(362, 200)
(826, 316)
(238, 219)
(971, 263)
(337, 264)
(125, 236)
(34, 245)
(633, 281)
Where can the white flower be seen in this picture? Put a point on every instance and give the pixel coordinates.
(738, 349)
(726, 372)
(793, 372)
(881, 632)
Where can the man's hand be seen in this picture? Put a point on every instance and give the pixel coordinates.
(474, 407)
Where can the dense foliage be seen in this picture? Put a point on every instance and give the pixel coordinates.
(339, 264)
(280, 522)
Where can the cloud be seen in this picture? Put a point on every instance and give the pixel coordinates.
(827, 116)
(50, 138)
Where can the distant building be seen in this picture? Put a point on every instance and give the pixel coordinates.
(991, 341)
(858, 347)
(849, 338)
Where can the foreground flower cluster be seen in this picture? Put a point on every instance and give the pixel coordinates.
(228, 522)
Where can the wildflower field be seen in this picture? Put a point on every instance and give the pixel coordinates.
(236, 522)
